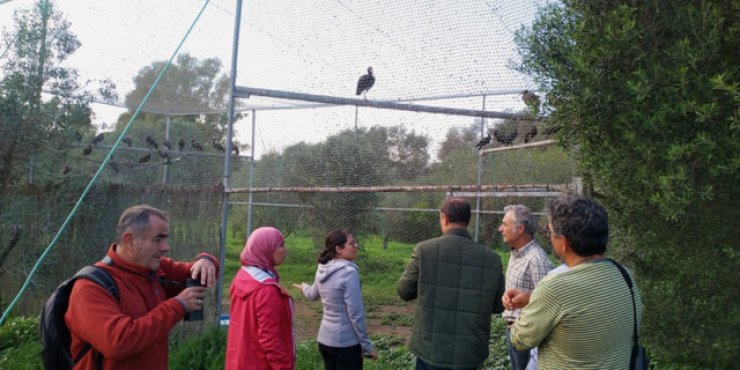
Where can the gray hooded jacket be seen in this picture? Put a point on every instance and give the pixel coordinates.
(343, 325)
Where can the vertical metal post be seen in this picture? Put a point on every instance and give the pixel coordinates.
(227, 164)
(166, 137)
(356, 109)
(251, 175)
(480, 170)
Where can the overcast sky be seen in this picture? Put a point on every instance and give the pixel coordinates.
(418, 49)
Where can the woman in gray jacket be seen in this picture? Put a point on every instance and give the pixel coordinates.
(343, 338)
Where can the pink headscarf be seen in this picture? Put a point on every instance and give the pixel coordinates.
(260, 248)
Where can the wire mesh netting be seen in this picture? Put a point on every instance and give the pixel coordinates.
(431, 53)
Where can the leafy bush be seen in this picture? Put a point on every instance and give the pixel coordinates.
(206, 351)
(18, 331)
(24, 356)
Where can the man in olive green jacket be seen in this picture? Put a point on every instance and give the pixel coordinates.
(457, 284)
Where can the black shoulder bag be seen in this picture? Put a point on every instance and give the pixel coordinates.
(638, 360)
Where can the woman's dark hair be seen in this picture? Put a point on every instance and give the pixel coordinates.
(336, 237)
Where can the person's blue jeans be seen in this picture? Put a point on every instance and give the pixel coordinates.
(519, 359)
(421, 365)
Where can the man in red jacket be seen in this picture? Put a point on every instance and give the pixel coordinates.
(133, 333)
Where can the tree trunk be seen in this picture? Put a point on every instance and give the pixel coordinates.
(5, 252)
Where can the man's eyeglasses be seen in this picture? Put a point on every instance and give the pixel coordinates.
(546, 229)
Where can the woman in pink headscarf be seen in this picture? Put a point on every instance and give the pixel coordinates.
(261, 322)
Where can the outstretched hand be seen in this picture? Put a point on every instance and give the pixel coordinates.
(301, 286)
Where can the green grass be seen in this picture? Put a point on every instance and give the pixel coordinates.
(379, 269)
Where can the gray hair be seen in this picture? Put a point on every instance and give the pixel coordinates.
(136, 219)
(524, 217)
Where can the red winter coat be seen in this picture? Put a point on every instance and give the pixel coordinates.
(261, 323)
(134, 333)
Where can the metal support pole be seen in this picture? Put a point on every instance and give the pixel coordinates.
(227, 164)
(356, 109)
(480, 170)
(251, 175)
(166, 137)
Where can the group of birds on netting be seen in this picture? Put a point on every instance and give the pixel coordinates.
(151, 144)
(508, 138)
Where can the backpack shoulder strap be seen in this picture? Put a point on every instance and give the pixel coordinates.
(99, 276)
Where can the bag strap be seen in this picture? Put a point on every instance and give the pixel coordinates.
(627, 278)
(99, 276)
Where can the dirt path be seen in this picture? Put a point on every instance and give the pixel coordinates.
(308, 319)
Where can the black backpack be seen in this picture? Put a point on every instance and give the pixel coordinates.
(53, 331)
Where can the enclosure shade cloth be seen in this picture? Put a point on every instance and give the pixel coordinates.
(260, 248)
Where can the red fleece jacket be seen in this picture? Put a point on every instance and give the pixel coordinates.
(134, 333)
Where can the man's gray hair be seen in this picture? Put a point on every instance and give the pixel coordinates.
(523, 216)
(136, 219)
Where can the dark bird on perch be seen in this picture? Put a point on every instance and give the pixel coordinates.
(550, 130)
(67, 169)
(365, 82)
(114, 165)
(98, 139)
(145, 158)
(165, 156)
(151, 142)
(483, 142)
(531, 100)
(512, 136)
(500, 137)
(218, 146)
(166, 143)
(196, 145)
(530, 134)
(127, 140)
(87, 150)
(181, 144)
(78, 136)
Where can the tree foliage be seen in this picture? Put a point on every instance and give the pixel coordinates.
(648, 94)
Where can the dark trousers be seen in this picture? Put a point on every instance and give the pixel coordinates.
(349, 358)
(421, 365)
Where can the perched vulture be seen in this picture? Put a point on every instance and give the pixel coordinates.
(87, 150)
(151, 142)
(166, 143)
(549, 130)
(127, 140)
(196, 145)
(512, 136)
(365, 82)
(218, 146)
(530, 134)
(67, 169)
(181, 144)
(500, 137)
(483, 142)
(98, 139)
(145, 158)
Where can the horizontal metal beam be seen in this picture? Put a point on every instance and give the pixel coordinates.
(520, 146)
(505, 194)
(427, 210)
(246, 92)
(174, 151)
(391, 189)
